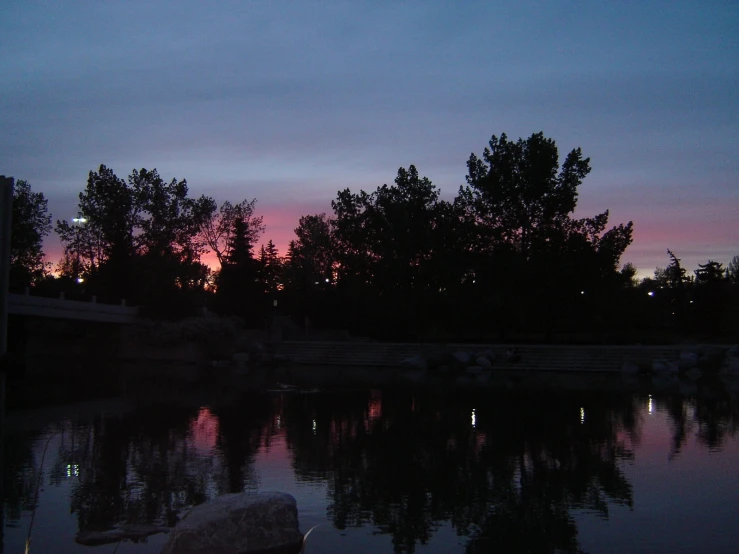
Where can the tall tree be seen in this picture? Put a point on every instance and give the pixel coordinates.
(30, 224)
(713, 298)
(137, 239)
(386, 238)
(103, 235)
(518, 192)
(732, 271)
(239, 290)
(674, 276)
(169, 219)
(710, 273)
(270, 267)
(520, 201)
(218, 227)
(313, 253)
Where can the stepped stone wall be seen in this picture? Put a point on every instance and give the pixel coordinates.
(525, 357)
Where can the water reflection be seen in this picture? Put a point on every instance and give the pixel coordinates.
(508, 471)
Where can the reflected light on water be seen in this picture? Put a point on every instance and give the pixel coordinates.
(73, 470)
(314, 426)
(473, 418)
(649, 404)
(582, 415)
(204, 430)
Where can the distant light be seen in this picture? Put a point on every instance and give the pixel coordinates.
(316, 282)
(582, 292)
(314, 426)
(473, 281)
(582, 415)
(327, 279)
(474, 419)
(79, 219)
(651, 293)
(691, 301)
(80, 280)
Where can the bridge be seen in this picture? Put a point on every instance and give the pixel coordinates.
(60, 308)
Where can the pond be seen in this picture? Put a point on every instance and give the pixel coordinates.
(395, 469)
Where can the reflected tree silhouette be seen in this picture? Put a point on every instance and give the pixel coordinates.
(507, 470)
(423, 462)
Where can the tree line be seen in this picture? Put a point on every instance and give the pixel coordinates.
(504, 258)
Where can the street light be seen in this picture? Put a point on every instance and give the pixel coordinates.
(79, 221)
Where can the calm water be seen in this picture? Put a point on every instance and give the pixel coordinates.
(393, 470)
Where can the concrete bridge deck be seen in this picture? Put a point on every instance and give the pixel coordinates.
(59, 308)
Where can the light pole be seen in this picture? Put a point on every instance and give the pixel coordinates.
(78, 221)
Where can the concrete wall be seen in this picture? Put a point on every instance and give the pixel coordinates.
(27, 305)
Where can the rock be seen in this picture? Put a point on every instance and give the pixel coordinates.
(730, 366)
(462, 357)
(97, 538)
(483, 362)
(630, 368)
(474, 370)
(511, 356)
(489, 354)
(662, 366)
(665, 382)
(688, 388)
(414, 361)
(731, 382)
(693, 374)
(239, 523)
(688, 359)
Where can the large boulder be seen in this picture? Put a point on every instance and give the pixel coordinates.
(662, 366)
(484, 362)
(462, 357)
(688, 360)
(417, 362)
(239, 524)
(730, 366)
(630, 368)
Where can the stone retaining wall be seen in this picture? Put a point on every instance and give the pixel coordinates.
(525, 357)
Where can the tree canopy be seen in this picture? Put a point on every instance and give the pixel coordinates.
(506, 256)
(31, 222)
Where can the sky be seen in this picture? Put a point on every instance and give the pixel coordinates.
(289, 102)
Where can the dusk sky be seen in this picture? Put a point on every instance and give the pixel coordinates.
(289, 102)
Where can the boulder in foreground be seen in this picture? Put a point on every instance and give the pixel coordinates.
(239, 524)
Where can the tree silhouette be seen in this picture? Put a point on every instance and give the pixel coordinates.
(30, 224)
(270, 268)
(138, 240)
(218, 228)
(238, 281)
(732, 271)
(519, 200)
